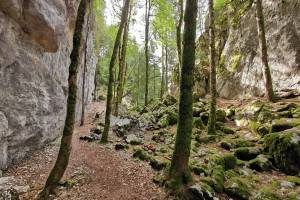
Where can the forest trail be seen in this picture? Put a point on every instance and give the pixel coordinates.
(98, 172)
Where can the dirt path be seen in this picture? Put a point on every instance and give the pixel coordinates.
(99, 171)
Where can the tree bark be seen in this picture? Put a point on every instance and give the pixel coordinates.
(122, 63)
(166, 71)
(211, 126)
(84, 66)
(125, 10)
(179, 170)
(147, 20)
(162, 84)
(66, 141)
(178, 34)
(269, 93)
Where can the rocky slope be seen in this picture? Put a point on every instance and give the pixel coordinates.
(239, 53)
(35, 44)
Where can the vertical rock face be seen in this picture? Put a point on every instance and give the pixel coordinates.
(241, 54)
(35, 46)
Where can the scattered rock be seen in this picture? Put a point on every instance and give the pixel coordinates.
(133, 139)
(282, 124)
(141, 154)
(284, 147)
(120, 147)
(90, 138)
(158, 163)
(247, 153)
(287, 184)
(169, 100)
(261, 163)
(199, 192)
(10, 188)
(238, 188)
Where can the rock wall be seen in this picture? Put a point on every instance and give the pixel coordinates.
(241, 54)
(35, 46)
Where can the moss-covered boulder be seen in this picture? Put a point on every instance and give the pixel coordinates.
(220, 115)
(261, 163)
(243, 143)
(284, 147)
(133, 139)
(218, 178)
(238, 188)
(158, 163)
(169, 100)
(198, 123)
(200, 191)
(226, 130)
(230, 112)
(204, 138)
(225, 144)
(247, 153)
(141, 154)
(282, 124)
(229, 161)
(266, 194)
(294, 179)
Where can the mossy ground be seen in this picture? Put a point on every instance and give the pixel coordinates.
(215, 165)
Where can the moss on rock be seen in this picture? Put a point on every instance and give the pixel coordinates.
(261, 163)
(284, 147)
(238, 188)
(247, 153)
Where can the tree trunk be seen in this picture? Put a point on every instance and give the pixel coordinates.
(162, 84)
(269, 93)
(147, 19)
(166, 71)
(179, 40)
(179, 170)
(124, 17)
(84, 66)
(95, 83)
(211, 126)
(122, 63)
(66, 141)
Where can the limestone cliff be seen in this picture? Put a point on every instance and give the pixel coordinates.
(241, 55)
(35, 46)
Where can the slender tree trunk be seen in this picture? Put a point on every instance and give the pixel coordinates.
(179, 170)
(269, 93)
(95, 83)
(85, 66)
(66, 141)
(162, 84)
(147, 19)
(178, 32)
(211, 126)
(138, 84)
(166, 71)
(122, 66)
(124, 17)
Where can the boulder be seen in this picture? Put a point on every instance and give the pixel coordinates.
(158, 163)
(11, 188)
(247, 153)
(284, 124)
(169, 100)
(284, 147)
(238, 188)
(261, 163)
(133, 139)
(198, 123)
(266, 194)
(199, 192)
(220, 115)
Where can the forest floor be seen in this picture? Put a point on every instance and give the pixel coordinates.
(97, 171)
